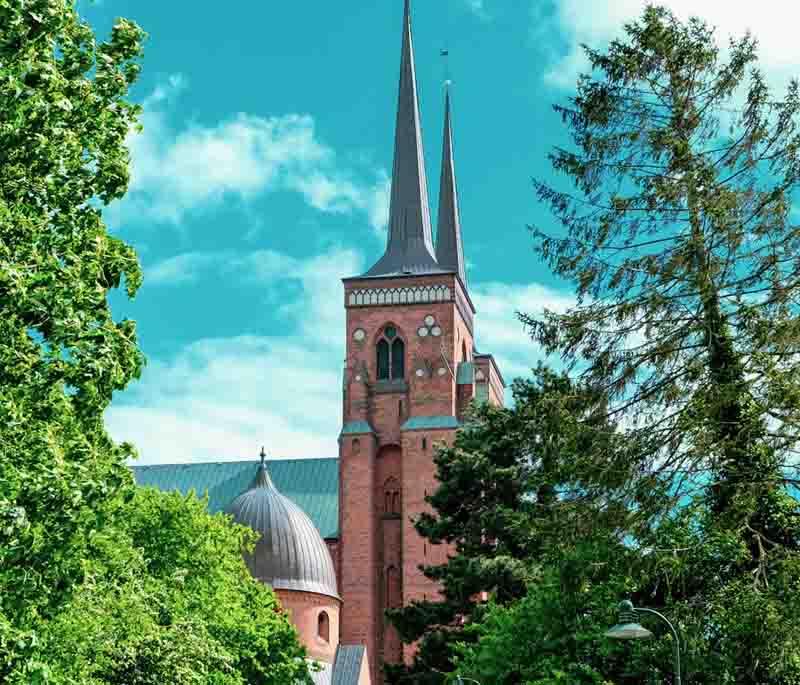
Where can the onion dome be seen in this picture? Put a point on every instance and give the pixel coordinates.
(290, 554)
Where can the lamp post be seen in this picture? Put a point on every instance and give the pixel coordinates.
(629, 628)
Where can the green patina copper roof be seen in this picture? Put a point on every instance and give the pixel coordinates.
(466, 373)
(356, 428)
(430, 423)
(312, 484)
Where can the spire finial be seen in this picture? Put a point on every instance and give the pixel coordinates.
(262, 475)
(409, 248)
(449, 247)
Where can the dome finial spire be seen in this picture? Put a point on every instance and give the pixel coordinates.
(263, 479)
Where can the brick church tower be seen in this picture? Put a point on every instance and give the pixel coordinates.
(411, 370)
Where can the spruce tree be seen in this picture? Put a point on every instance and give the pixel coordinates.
(518, 485)
(677, 230)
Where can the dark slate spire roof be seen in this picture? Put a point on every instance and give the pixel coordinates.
(410, 245)
(449, 248)
(290, 554)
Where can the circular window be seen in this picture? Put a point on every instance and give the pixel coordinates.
(420, 373)
(422, 332)
(436, 331)
(359, 334)
(442, 371)
(430, 320)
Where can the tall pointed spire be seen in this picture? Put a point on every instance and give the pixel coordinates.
(409, 249)
(449, 248)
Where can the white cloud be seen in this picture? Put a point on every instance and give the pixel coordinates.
(176, 171)
(222, 398)
(189, 267)
(500, 332)
(595, 22)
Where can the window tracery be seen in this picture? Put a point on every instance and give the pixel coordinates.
(391, 355)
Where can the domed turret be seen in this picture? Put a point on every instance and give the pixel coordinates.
(291, 554)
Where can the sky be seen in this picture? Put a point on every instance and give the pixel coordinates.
(261, 179)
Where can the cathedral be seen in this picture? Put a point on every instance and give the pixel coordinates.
(338, 544)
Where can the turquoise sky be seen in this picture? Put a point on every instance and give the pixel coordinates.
(261, 179)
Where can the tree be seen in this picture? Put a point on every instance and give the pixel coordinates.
(168, 599)
(63, 123)
(518, 484)
(679, 239)
(99, 583)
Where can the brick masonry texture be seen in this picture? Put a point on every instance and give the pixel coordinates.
(304, 609)
(385, 477)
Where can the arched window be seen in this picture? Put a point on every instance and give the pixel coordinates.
(383, 360)
(324, 626)
(391, 353)
(391, 497)
(398, 359)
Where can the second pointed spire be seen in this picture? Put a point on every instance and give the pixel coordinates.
(449, 247)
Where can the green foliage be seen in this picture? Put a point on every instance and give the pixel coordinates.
(63, 123)
(517, 485)
(551, 634)
(677, 234)
(98, 583)
(168, 599)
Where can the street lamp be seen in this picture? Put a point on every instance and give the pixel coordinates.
(629, 628)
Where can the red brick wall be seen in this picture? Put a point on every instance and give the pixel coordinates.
(333, 549)
(419, 480)
(357, 544)
(304, 609)
(380, 551)
(388, 509)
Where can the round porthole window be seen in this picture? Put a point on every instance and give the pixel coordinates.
(422, 332)
(436, 331)
(430, 320)
(359, 334)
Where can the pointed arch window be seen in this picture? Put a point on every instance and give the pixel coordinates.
(383, 360)
(391, 353)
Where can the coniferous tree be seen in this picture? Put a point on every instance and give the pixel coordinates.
(679, 236)
(518, 484)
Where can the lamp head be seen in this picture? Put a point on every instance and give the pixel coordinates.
(628, 627)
